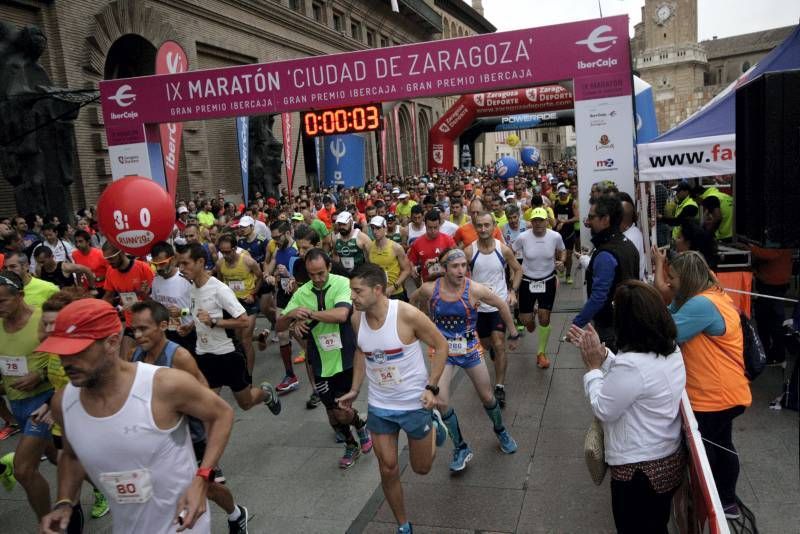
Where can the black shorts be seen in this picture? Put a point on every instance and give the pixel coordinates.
(251, 308)
(282, 298)
(528, 300)
(400, 296)
(225, 370)
(332, 387)
(569, 240)
(489, 322)
(188, 342)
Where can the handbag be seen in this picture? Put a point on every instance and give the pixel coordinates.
(753, 353)
(595, 452)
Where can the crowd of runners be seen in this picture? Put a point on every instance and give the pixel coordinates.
(352, 283)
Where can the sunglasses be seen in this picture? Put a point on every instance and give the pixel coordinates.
(8, 282)
(160, 263)
(112, 256)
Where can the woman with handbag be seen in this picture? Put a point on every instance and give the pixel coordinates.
(636, 396)
(710, 336)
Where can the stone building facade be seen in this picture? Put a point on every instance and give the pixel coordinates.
(686, 74)
(92, 40)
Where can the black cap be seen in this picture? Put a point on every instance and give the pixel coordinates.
(391, 216)
(683, 186)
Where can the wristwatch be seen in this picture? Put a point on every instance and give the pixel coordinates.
(432, 389)
(206, 473)
(514, 338)
(213, 323)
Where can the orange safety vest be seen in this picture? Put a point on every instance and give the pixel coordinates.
(715, 378)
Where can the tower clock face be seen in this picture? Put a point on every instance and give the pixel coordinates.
(663, 13)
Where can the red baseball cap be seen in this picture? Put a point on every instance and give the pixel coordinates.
(80, 324)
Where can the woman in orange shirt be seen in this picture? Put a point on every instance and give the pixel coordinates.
(710, 337)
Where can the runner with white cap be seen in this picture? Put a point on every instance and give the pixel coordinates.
(390, 257)
(351, 247)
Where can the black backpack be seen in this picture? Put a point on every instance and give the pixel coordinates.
(755, 357)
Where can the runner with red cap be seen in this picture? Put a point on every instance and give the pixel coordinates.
(124, 425)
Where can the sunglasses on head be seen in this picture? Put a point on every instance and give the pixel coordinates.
(9, 282)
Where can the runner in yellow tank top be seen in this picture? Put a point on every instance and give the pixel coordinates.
(390, 257)
(239, 277)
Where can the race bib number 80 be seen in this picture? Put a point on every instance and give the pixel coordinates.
(128, 487)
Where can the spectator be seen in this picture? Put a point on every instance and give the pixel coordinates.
(710, 336)
(636, 395)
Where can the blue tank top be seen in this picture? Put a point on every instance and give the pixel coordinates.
(455, 319)
(210, 262)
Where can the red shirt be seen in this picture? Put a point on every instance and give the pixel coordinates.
(424, 251)
(133, 283)
(95, 261)
(326, 216)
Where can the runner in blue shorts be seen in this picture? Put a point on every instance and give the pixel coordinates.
(401, 393)
(453, 305)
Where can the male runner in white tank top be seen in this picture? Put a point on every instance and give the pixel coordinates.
(488, 258)
(124, 425)
(401, 394)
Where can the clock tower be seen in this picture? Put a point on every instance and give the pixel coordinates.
(667, 55)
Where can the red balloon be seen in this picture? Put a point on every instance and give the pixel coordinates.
(134, 213)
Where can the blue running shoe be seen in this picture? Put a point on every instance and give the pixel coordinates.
(507, 443)
(405, 528)
(441, 429)
(460, 458)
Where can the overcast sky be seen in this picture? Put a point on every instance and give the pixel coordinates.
(722, 18)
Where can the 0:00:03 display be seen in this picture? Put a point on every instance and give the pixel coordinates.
(343, 120)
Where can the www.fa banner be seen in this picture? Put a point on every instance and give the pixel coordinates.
(344, 160)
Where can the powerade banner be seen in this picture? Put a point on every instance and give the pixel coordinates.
(242, 124)
(344, 160)
(171, 59)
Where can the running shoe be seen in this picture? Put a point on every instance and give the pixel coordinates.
(542, 361)
(405, 528)
(274, 338)
(313, 401)
(500, 395)
(100, 506)
(461, 456)
(271, 399)
(569, 280)
(441, 429)
(300, 358)
(7, 476)
(732, 511)
(351, 454)
(521, 328)
(240, 525)
(507, 443)
(340, 437)
(8, 431)
(364, 439)
(289, 383)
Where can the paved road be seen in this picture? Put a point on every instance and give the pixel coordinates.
(284, 469)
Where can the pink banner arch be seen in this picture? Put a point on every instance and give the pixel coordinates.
(470, 107)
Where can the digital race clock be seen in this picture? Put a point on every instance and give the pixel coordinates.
(354, 119)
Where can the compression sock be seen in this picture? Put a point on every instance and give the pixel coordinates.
(358, 421)
(286, 356)
(237, 512)
(348, 435)
(451, 421)
(496, 416)
(544, 335)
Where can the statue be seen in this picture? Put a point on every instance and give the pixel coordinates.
(37, 141)
(265, 157)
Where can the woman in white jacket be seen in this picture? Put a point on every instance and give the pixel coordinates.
(636, 395)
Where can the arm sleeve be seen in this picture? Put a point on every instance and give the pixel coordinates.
(697, 315)
(603, 277)
(611, 395)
